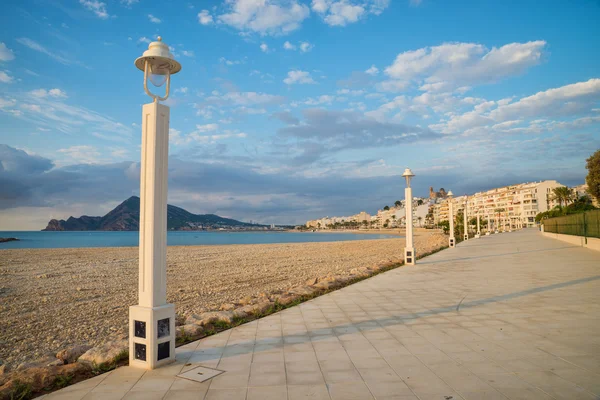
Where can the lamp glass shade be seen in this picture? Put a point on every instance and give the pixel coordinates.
(159, 72)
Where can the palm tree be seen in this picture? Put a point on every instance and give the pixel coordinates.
(398, 203)
(563, 194)
(420, 202)
(419, 218)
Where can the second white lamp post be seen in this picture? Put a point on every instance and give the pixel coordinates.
(466, 219)
(152, 321)
(409, 250)
(452, 240)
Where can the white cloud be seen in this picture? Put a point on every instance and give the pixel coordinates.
(43, 109)
(564, 100)
(6, 54)
(97, 7)
(207, 127)
(350, 92)
(392, 86)
(466, 63)
(129, 3)
(55, 93)
(306, 47)
(5, 78)
(205, 18)
(264, 48)
(415, 3)
(250, 98)
(225, 61)
(82, 154)
(299, 77)
(153, 19)
(188, 53)
(6, 103)
(183, 90)
(559, 103)
(325, 99)
(344, 12)
(144, 39)
(266, 17)
(38, 47)
(372, 71)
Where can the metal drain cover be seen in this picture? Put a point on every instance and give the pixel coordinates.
(200, 374)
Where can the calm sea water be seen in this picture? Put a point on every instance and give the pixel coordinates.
(48, 240)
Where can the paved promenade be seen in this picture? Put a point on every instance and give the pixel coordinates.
(509, 316)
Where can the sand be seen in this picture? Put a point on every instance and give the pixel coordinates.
(51, 299)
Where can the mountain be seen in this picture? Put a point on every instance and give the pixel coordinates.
(126, 217)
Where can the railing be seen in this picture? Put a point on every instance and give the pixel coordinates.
(586, 224)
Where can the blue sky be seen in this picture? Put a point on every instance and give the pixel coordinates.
(293, 109)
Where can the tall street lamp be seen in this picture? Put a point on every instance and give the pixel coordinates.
(409, 250)
(451, 241)
(478, 230)
(466, 235)
(152, 321)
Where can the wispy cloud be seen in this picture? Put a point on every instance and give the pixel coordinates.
(33, 45)
(97, 7)
(6, 54)
(298, 77)
(153, 19)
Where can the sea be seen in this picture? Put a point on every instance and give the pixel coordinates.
(57, 240)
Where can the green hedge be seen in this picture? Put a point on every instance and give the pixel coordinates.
(583, 224)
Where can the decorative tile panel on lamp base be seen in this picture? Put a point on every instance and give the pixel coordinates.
(152, 336)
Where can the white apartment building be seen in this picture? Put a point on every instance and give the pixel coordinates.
(508, 207)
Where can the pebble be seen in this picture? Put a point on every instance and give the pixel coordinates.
(206, 277)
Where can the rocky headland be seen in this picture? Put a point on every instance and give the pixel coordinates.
(126, 217)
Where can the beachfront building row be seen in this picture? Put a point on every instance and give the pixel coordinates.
(509, 207)
(393, 217)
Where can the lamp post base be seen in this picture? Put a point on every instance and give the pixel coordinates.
(409, 256)
(451, 242)
(151, 336)
(466, 237)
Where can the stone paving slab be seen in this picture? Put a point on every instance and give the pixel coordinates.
(509, 316)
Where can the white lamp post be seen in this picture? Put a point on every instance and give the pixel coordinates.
(466, 235)
(451, 241)
(409, 250)
(478, 230)
(152, 321)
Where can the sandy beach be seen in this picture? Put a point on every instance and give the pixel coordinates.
(55, 298)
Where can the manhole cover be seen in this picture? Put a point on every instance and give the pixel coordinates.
(200, 374)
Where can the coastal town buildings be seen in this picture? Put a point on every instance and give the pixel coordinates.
(508, 207)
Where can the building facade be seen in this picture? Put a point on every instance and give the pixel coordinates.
(508, 207)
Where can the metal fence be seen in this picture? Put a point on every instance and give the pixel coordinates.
(586, 224)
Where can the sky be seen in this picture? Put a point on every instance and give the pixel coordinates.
(289, 110)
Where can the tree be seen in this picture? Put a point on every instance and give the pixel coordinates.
(398, 203)
(593, 177)
(419, 219)
(563, 194)
(420, 202)
(386, 208)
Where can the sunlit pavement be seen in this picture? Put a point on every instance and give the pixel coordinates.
(512, 315)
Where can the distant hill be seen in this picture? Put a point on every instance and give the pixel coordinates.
(126, 217)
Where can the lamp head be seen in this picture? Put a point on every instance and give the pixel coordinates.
(158, 66)
(408, 174)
